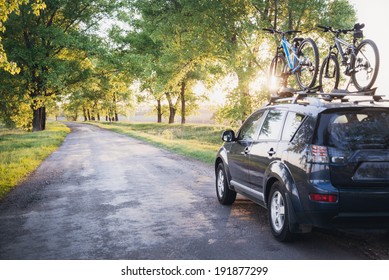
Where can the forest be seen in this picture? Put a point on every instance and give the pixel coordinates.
(94, 59)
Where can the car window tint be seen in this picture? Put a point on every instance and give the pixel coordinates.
(250, 127)
(352, 130)
(292, 122)
(272, 125)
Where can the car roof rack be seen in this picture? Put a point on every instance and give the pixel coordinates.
(315, 96)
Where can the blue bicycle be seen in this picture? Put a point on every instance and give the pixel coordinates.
(299, 58)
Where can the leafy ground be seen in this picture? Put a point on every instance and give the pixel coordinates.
(197, 141)
(21, 152)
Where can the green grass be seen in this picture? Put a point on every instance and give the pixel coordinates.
(200, 142)
(21, 152)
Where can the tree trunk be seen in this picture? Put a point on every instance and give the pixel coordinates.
(84, 112)
(290, 19)
(159, 111)
(245, 104)
(39, 119)
(182, 94)
(172, 110)
(275, 14)
(172, 114)
(115, 108)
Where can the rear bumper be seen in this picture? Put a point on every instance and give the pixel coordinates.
(358, 208)
(345, 220)
(361, 220)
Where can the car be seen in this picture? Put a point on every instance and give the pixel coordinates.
(312, 162)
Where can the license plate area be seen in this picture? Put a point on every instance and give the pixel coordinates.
(372, 171)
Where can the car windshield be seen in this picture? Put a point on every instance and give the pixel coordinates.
(357, 129)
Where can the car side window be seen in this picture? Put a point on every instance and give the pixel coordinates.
(272, 126)
(292, 123)
(249, 129)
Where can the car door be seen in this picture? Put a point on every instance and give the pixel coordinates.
(238, 158)
(265, 149)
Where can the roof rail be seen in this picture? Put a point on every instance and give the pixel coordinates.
(291, 95)
(292, 98)
(344, 95)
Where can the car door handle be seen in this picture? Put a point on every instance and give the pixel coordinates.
(271, 152)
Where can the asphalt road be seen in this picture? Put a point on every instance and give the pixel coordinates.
(107, 196)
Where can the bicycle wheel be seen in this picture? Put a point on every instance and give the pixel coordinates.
(365, 65)
(308, 57)
(329, 74)
(277, 74)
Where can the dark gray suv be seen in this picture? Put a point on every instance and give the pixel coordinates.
(310, 162)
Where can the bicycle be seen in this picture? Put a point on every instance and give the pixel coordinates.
(361, 61)
(299, 58)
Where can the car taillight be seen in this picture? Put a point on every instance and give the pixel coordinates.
(339, 156)
(318, 154)
(323, 197)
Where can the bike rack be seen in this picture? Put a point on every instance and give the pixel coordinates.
(294, 96)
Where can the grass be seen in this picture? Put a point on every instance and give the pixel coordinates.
(200, 142)
(21, 152)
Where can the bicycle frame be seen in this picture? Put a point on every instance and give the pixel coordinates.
(295, 59)
(292, 59)
(338, 45)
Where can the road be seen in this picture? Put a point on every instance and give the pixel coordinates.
(102, 195)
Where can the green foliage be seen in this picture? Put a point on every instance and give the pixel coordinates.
(22, 152)
(339, 14)
(165, 45)
(52, 49)
(175, 39)
(231, 113)
(8, 7)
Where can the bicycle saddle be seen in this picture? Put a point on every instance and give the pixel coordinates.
(358, 26)
(298, 39)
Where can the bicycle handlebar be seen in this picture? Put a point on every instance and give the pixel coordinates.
(356, 27)
(289, 32)
(268, 30)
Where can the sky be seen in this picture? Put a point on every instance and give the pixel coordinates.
(374, 14)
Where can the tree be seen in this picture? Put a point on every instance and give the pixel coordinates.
(105, 93)
(6, 8)
(40, 46)
(245, 51)
(172, 40)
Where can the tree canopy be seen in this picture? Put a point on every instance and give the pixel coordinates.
(61, 53)
(8, 7)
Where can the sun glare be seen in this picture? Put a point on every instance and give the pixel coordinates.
(258, 83)
(217, 94)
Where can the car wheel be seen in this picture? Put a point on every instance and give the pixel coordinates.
(278, 213)
(223, 192)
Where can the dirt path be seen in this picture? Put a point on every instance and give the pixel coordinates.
(107, 196)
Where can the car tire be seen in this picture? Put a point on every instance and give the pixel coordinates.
(278, 213)
(225, 195)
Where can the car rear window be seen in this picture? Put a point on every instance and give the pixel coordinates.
(366, 128)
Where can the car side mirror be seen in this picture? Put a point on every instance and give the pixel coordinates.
(228, 136)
